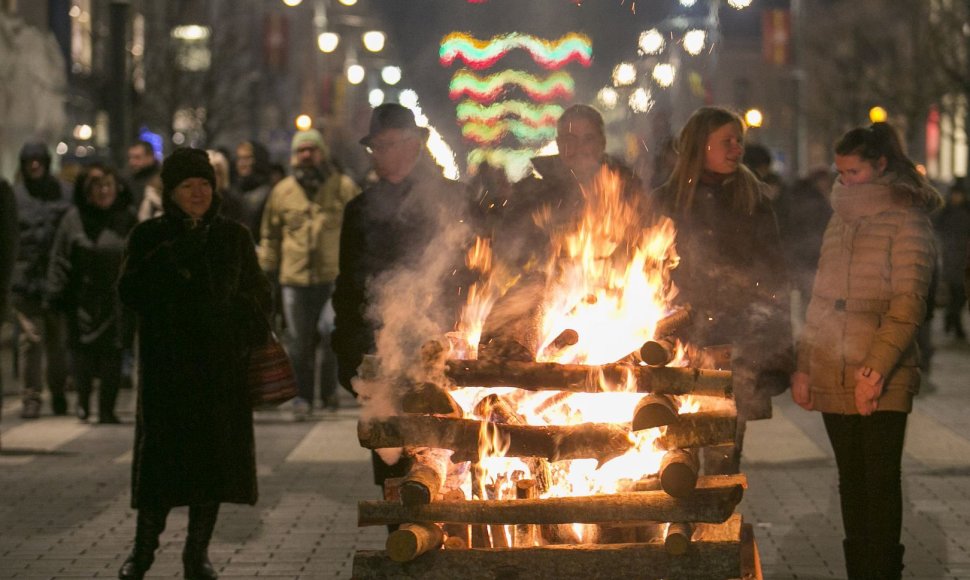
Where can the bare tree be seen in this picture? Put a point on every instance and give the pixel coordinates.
(202, 87)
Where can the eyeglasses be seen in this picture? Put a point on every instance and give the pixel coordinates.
(386, 146)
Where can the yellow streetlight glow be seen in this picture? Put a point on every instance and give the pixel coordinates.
(348, 2)
(753, 118)
(328, 41)
(292, 3)
(304, 122)
(374, 40)
(391, 75)
(355, 74)
(878, 115)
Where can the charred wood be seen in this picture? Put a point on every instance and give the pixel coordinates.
(512, 330)
(706, 504)
(430, 399)
(534, 376)
(525, 535)
(653, 411)
(674, 322)
(700, 429)
(602, 441)
(678, 472)
(420, 485)
(658, 352)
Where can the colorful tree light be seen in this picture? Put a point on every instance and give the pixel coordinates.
(551, 55)
(485, 134)
(558, 85)
(535, 115)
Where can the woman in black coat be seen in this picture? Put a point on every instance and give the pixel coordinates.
(81, 276)
(192, 277)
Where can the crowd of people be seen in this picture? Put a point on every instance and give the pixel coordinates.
(197, 255)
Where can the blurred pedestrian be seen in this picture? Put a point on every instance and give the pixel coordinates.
(858, 357)
(84, 266)
(8, 253)
(192, 277)
(803, 213)
(247, 197)
(42, 201)
(388, 230)
(299, 248)
(953, 228)
(556, 189)
(732, 268)
(758, 159)
(142, 170)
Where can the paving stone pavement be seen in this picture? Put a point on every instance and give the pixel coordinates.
(64, 493)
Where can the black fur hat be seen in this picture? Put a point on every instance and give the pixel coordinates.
(183, 164)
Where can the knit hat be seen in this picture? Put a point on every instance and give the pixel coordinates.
(35, 150)
(391, 116)
(309, 137)
(184, 164)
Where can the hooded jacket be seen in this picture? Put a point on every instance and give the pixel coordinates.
(869, 298)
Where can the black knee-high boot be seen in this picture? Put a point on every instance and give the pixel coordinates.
(150, 525)
(195, 557)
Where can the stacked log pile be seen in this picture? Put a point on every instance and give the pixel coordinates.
(674, 524)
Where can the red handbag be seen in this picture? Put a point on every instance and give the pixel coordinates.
(270, 374)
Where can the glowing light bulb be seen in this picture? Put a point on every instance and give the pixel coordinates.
(375, 97)
(664, 73)
(651, 41)
(304, 122)
(355, 74)
(641, 101)
(694, 41)
(391, 75)
(374, 40)
(608, 97)
(328, 41)
(624, 74)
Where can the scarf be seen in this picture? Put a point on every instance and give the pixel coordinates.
(853, 202)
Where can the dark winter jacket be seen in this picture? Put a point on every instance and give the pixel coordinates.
(803, 213)
(8, 242)
(516, 237)
(83, 272)
(386, 228)
(732, 273)
(138, 181)
(952, 225)
(246, 206)
(40, 206)
(201, 300)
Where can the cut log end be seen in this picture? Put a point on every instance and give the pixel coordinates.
(411, 540)
(677, 538)
(653, 411)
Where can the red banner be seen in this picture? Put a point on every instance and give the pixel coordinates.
(776, 36)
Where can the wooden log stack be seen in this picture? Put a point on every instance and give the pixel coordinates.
(678, 523)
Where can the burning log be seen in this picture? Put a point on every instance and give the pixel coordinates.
(653, 411)
(457, 536)
(674, 322)
(658, 353)
(534, 376)
(392, 488)
(701, 429)
(498, 409)
(566, 338)
(677, 538)
(420, 485)
(717, 557)
(707, 504)
(678, 472)
(511, 331)
(525, 534)
(496, 532)
(602, 441)
(411, 540)
(430, 399)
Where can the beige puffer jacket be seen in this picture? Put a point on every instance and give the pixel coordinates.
(300, 236)
(869, 299)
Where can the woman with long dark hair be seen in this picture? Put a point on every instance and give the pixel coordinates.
(858, 360)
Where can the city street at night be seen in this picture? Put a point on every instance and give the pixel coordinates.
(65, 486)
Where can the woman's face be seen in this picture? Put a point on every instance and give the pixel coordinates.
(193, 196)
(102, 189)
(581, 147)
(854, 170)
(725, 148)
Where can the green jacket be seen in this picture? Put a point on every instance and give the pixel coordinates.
(300, 235)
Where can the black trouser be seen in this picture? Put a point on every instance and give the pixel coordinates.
(868, 452)
(954, 308)
(105, 364)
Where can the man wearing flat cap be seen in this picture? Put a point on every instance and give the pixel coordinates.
(404, 239)
(300, 234)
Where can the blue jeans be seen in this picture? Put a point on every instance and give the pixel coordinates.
(309, 322)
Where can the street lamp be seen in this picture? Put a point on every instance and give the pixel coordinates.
(292, 3)
(391, 75)
(374, 40)
(878, 114)
(328, 41)
(355, 74)
(348, 2)
(304, 122)
(754, 118)
(375, 98)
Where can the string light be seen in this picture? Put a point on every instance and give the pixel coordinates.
(549, 54)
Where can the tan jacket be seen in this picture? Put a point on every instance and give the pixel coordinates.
(300, 237)
(869, 299)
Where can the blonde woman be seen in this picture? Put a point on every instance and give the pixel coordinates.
(732, 270)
